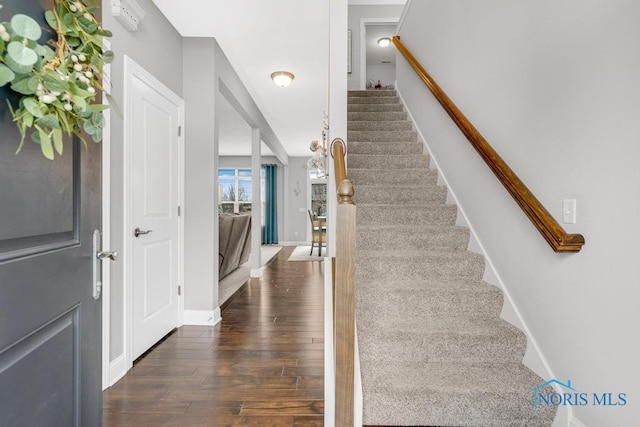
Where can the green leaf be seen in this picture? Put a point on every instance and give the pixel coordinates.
(89, 128)
(114, 105)
(97, 136)
(33, 83)
(45, 144)
(26, 27)
(54, 83)
(22, 54)
(106, 33)
(2, 45)
(35, 137)
(6, 75)
(107, 57)
(57, 140)
(98, 119)
(97, 107)
(74, 41)
(27, 119)
(17, 68)
(49, 121)
(51, 19)
(67, 19)
(32, 107)
(44, 52)
(22, 86)
(79, 102)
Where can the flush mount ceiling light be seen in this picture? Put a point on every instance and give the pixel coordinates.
(384, 42)
(282, 78)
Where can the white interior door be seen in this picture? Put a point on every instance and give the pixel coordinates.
(155, 224)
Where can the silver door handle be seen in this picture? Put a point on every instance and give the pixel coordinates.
(112, 255)
(137, 232)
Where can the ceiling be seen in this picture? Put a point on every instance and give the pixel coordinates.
(260, 37)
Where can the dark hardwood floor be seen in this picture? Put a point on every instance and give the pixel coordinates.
(261, 366)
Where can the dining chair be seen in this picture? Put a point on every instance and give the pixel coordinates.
(318, 233)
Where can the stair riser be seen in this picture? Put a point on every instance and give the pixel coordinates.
(375, 108)
(388, 116)
(430, 303)
(444, 347)
(408, 177)
(379, 125)
(369, 215)
(453, 239)
(367, 161)
(367, 194)
(437, 266)
(360, 147)
(374, 93)
(454, 409)
(382, 136)
(373, 100)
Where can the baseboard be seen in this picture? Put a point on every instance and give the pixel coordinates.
(256, 273)
(292, 243)
(202, 317)
(573, 422)
(117, 369)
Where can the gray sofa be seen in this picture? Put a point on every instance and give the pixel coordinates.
(235, 242)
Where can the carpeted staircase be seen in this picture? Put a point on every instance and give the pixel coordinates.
(433, 349)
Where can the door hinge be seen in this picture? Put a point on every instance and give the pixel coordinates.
(179, 130)
(179, 290)
(179, 211)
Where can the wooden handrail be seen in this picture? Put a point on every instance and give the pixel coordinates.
(552, 232)
(344, 291)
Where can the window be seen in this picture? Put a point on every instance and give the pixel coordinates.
(235, 191)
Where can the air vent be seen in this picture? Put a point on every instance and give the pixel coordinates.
(386, 62)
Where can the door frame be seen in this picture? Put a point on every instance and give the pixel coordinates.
(134, 70)
(106, 224)
(363, 43)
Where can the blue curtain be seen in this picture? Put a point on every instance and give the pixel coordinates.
(270, 229)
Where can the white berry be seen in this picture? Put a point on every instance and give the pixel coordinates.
(74, 58)
(2, 29)
(68, 107)
(47, 99)
(89, 74)
(91, 89)
(5, 36)
(77, 67)
(82, 58)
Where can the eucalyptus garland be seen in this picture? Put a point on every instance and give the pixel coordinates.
(59, 80)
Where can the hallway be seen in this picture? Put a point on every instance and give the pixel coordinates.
(261, 366)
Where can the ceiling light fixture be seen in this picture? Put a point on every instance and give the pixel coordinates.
(384, 42)
(282, 78)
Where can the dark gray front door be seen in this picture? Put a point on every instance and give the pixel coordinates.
(50, 324)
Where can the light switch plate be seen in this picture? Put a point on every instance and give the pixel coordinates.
(569, 211)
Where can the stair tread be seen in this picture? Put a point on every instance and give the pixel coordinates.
(443, 392)
(420, 297)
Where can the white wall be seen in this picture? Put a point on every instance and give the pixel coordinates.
(386, 73)
(355, 14)
(157, 47)
(554, 87)
(208, 76)
(201, 202)
(297, 220)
